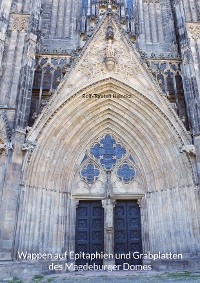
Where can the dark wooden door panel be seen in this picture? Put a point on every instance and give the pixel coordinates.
(89, 230)
(127, 231)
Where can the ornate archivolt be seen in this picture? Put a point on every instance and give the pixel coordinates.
(124, 101)
(153, 140)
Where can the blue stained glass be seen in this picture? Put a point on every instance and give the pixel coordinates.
(108, 152)
(126, 173)
(90, 173)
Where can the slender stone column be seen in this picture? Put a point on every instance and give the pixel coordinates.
(108, 205)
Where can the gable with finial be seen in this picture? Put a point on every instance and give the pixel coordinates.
(108, 54)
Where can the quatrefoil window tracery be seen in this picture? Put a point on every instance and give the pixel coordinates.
(107, 153)
(90, 173)
(126, 172)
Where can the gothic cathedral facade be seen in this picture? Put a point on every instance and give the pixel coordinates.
(100, 128)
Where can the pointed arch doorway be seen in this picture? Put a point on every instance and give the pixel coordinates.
(107, 218)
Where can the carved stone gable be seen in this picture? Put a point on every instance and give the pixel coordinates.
(123, 64)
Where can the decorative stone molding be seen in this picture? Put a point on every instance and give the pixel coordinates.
(193, 30)
(31, 54)
(189, 149)
(20, 22)
(28, 145)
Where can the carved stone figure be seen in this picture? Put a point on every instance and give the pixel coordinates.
(110, 56)
(110, 50)
(28, 145)
(108, 206)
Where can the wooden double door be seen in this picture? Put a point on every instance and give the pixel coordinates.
(90, 231)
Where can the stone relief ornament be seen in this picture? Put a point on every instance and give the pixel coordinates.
(194, 30)
(20, 22)
(110, 50)
(28, 145)
(110, 56)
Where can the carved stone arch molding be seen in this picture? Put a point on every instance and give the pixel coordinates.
(152, 131)
(153, 135)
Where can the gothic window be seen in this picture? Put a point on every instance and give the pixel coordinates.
(108, 152)
(126, 173)
(90, 173)
(108, 155)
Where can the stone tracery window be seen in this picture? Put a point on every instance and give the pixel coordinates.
(90, 173)
(126, 173)
(108, 155)
(108, 152)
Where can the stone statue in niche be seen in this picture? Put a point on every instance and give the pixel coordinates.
(110, 50)
(110, 55)
(109, 32)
